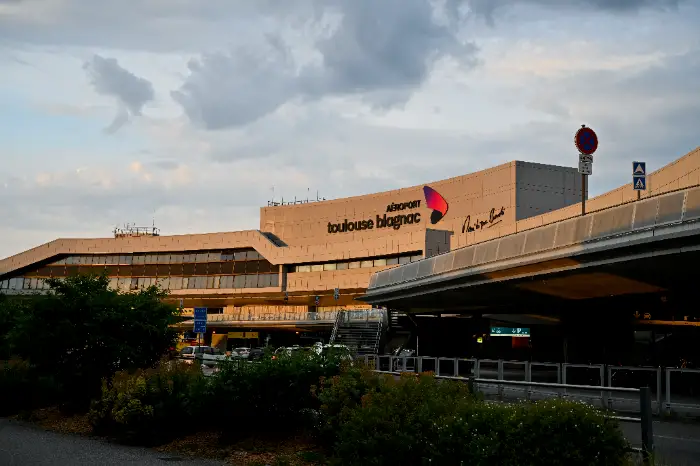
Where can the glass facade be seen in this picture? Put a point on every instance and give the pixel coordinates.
(217, 269)
(399, 259)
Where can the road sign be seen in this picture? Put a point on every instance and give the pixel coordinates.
(510, 332)
(336, 293)
(639, 169)
(640, 183)
(585, 164)
(200, 313)
(200, 326)
(317, 300)
(200, 320)
(586, 141)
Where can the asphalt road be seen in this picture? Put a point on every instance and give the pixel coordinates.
(676, 444)
(24, 445)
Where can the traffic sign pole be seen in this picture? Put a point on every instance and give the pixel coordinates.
(586, 141)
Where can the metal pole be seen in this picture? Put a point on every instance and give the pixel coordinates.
(583, 194)
(639, 195)
(647, 432)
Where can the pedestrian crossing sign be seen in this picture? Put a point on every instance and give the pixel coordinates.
(640, 183)
(639, 169)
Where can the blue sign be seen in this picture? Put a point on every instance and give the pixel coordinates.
(639, 182)
(200, 326)
(200, 320)
(639, 169)
(200, 313)
(586, 141)
(510, 332)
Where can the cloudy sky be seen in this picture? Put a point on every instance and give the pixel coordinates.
(117, 111)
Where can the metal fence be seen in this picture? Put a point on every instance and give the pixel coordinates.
(673, 390)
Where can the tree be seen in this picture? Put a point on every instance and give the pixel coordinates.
(83, 332)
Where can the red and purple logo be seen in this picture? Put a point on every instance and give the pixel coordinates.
(435, 201)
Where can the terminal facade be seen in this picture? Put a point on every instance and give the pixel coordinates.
(308, 260)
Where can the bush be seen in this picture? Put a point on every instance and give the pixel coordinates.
(149, 406)
(270, 395)
(416, 420)
(22, 389)
(83, 331)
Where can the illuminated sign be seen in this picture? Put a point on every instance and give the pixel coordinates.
(243, 335)
(510, 332)
(493, 218)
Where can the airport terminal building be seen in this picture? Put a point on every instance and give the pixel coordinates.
(308, 260)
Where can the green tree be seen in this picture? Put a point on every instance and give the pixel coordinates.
(83, 332)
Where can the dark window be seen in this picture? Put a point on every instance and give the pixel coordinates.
(175, 269)
(57, 271)
(239, 267)
(150, 270)
(251, 267)
(214, 268)
(264, 266)
(200, 269)
(227, 268)
(71, 270)
(163, 270)
(125, 271)
(138, 270)
(188, 269)
(275, 280)
(112, 270)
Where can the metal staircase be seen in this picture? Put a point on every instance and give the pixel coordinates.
(361, 331)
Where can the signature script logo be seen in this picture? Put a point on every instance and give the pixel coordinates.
(494, 218)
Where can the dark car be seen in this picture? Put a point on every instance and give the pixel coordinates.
(256, 354)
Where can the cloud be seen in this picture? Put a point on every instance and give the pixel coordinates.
(131, 92)
(380, 51)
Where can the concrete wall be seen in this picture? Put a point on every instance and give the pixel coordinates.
(543, 188)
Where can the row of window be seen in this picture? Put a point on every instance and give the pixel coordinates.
(160, 270)
(344, 265)
(162, 258)
(169, 283)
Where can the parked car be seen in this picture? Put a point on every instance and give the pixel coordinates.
(208, 355)
(241, 353)
(256, 354)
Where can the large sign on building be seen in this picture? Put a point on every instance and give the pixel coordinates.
(392, 221)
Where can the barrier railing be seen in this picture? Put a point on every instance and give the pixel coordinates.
(665, 396)
(643, 394)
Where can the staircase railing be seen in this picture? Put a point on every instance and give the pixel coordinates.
(338, 319)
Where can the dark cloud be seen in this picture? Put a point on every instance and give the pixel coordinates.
(132, 92)
(383, 51)
(489, 7)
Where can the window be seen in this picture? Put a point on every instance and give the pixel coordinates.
(341, 266)
(192, 283)
(200, 268)
(404, 260)
(251, 281)
(379, 262)
(209, 282)
(416, 257)
(187, 350)
(150, 259)
(354, 265)
(274, 280)
(185, 283)
(239, 267)
(239, 255)
(162, 270)
(113, 283)
(331, 266)
(175, 283)
(226, 268)
(175, 269)
(125, 271)
(365, 264)
(124, 283)
(134, 284)
(264, 281)
(215, 282)
(202, 257)
(150, 270)
(317, 268)
(239, 281)
(139, 259)
(226, 282)
(303, 268)
(253, 256)
(392, 261)
(265, 267)
(188, 269)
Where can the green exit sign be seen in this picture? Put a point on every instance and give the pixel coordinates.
(510, 332)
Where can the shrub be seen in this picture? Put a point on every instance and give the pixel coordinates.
(149, 405)
(416, 420)
(22, 388)
(271, 395)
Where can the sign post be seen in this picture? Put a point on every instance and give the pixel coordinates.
(586, 141)
(639, 177)
(200, 323)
